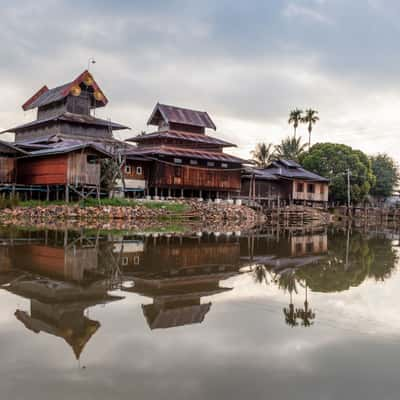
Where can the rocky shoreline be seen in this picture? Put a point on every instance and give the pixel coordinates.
(126, 217)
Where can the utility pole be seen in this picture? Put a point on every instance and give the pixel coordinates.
(348, 191)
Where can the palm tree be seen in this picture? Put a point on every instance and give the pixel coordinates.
(310, 118)
(290, 148)
(260, 274)
(295, 117)
(262, 154)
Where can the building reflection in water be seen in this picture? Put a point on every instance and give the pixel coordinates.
(177, 272)
(62, 281)
(63, 274)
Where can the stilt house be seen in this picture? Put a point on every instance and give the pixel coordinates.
(287, 181)
(182, 159)
(65, 141)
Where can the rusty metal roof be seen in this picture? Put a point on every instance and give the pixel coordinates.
(184, 136)
(46, 96)
(70, 117)
(180, 115)
(187, 153)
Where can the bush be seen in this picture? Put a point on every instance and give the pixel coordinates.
(11, 201)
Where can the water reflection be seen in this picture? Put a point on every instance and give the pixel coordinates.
(65, 273)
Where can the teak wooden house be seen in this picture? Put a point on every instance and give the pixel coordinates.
(182, 159)
(65, 142)
(66, 112)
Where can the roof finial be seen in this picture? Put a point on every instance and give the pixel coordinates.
(91, 60)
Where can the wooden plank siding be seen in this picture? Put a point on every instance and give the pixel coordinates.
(61, 169)
(43, 171)
(80, 171)
(7, 170)
(164, 175)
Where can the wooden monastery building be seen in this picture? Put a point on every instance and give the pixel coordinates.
(59, 155)
(181, 159)
(62, 147)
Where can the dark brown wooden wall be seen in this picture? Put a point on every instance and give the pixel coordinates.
(43, 171)
(164, 175)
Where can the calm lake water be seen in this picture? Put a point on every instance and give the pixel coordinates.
(279, 315)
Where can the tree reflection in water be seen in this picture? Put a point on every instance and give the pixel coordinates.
(352, 258)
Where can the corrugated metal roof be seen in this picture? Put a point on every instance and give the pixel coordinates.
(293, 170)
(70, 117)
(262, 174)
(181, 115)
(10, 148)
(190, 137)
(66, 147)
(47, 96)
(187, 153)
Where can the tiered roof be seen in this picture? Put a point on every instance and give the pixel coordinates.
(45, 96)
(183, 136)
(153, 151)
(180, 115)
(69, 117)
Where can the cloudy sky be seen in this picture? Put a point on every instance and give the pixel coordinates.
(246, 62)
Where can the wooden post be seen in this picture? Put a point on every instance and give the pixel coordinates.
(182, 193)
(67, 193)
(48, 193)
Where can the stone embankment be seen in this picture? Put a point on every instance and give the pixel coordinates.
(206, 213)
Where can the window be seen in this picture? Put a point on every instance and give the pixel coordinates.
(300, 187)
(136, 260)
(310, 188)
(178, 172)
(210, 164)
(310, 247)
(139, 171)
(91, 159)
(322, 189)
(178, 160)
(194, 162)
(128, 169)
(224, 165)
(124, 261)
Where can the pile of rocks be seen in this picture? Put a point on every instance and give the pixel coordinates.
(209, 213)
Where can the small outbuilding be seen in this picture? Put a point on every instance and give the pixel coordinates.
(287, 181)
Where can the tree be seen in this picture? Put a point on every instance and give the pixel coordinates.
(290, 148)
(331, 160)
(295, 117)
(263, 154)
(386, 173)
(310, 118)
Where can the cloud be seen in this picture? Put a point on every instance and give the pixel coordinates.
(293, 11)
(247, 64)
